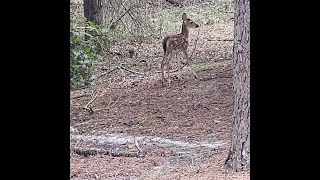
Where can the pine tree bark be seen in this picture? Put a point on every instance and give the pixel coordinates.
(239, 153)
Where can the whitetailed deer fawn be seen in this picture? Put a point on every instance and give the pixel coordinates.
(174, 44)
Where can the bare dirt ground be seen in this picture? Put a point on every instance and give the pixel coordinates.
(181, 131)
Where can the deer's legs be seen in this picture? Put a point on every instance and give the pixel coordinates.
(179, 68)
(162, 67)
(189, 65)
(168, 67)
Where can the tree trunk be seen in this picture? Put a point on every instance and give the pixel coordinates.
(93, 10)
(239, 153)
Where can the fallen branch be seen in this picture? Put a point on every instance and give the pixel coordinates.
(81, 95)
(97, 151)
(216, 77)
(220, 39)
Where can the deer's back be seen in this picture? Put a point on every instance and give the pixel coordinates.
(175, 43)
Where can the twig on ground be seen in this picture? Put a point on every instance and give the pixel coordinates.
(109, 106)
(192, 163)
(81, 95)
(137, 146)
(93, 97)
(135, 72)
(109, 101)
(172, 71)
(219, 39)
(76, 145)
(86, 122)
(115, 102)
(108, 72)
(123, 73)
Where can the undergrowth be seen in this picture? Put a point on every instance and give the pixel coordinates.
(88, 44)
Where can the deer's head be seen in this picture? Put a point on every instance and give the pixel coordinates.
(188, 22)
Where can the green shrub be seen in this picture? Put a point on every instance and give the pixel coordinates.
(87, 45)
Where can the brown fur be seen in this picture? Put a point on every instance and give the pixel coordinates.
(177, 43)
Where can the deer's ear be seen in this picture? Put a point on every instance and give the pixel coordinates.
(184, 16)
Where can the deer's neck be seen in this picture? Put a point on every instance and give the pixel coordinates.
(185, 31)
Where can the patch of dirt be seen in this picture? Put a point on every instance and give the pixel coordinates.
(185, 114)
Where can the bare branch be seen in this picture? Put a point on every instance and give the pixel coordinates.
(127, 11)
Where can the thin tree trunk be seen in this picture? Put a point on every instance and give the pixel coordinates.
(239, 154)
(93, 10)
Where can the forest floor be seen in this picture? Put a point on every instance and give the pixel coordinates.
(138, 129)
